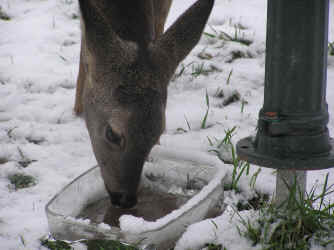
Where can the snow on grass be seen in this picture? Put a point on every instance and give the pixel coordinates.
(39, 55)
(221, 230)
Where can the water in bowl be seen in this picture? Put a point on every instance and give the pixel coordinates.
(151, 206)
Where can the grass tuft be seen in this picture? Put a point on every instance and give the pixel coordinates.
(256, 202)
(197, 69)
(56, 244)
(215, 247)
(298, 224)
(200, 69)
(205, 118)
(237, 37)
(240, 167)
(4, 16)
(107, 245)
(22, 181)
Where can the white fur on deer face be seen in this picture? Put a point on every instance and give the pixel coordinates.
(126, 89)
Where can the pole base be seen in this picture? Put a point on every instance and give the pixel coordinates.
(286, 180)
(246, 151)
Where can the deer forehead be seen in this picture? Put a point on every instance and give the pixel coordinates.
(138, 76)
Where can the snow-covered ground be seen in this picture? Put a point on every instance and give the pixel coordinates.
(39, 56)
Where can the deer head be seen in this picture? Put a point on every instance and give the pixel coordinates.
(127, 71)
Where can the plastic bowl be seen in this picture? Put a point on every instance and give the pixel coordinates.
(170, 172)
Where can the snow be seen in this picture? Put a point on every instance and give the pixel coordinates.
(221, 230)
(135, 225)
(39, 56)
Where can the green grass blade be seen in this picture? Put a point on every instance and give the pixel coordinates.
(209, 34)
(324, 189)
(229, 77)
(203, 125)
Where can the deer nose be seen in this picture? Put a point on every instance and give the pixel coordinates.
(122, 199)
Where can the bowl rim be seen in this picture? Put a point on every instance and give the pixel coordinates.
(216, 182)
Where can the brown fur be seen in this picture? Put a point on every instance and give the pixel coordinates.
(126, 63)
(161, 9)
(160, 13)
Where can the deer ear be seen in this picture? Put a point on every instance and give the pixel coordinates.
(184, 34)
(99, 36)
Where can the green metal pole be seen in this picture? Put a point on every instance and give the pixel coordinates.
(292, 129)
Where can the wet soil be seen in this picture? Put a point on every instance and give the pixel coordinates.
(151, 206)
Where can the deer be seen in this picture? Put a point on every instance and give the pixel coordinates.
(126, 64)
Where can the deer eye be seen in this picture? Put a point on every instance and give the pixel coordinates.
(113, 137)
